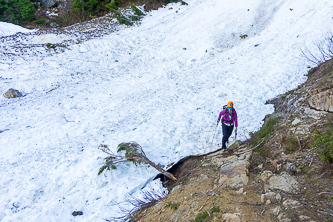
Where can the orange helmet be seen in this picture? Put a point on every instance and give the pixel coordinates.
(230, 105)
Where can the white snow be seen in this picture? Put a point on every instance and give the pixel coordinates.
(11, 29)
(49, 38)
(161, 84)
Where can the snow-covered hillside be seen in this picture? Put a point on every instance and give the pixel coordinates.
(161, 84)
(10, 29)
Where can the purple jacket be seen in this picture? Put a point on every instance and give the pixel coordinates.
(226, 117)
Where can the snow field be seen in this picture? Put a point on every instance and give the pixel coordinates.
(161, 84)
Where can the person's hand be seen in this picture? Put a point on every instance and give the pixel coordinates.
(236, 130)
(218, 121)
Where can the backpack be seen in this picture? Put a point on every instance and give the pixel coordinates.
(225, 107)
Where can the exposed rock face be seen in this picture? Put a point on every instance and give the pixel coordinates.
(233, 170)
(12, 93)
(321, 99)
(48, 3)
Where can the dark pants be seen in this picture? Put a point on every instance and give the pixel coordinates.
(226, 130)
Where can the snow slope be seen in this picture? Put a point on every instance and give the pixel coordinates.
(161, 84)
(11, 29)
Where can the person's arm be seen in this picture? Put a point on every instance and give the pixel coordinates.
(221, 113)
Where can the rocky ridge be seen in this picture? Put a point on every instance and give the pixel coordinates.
(282, 179)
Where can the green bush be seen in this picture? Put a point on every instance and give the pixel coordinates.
(325, 141)
(91, 7)
(291, 144)
(137, 11)
(173, 206)
(267, 128)
(113, 5)
(201, 217)
(39, 21)
(18, 12)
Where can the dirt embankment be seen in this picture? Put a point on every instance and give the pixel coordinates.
(282, 179)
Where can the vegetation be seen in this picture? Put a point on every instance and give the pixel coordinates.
(137, 11)
(265, 130)
(243, 36)
(173, 206)
(290, 143)
(325, 141)
(128, 152)
(18, 12)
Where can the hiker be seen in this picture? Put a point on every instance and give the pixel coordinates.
(229, 119)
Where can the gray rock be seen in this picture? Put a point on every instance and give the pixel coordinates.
(322, 99)
(283, 182)
(12, 93)
(48, 3)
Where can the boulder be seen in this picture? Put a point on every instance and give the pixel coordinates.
(48, 3)
(234, 173)
(283, 182)
(12, 93)
(321, 100)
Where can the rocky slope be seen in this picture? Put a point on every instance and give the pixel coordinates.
(277, 175)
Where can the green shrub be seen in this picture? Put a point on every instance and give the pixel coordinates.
(39, 21)
(134, 18)
(173, 206)
(267, 128)
(201, 217)
(291, 144)
(137, 11)
(325, 141)
(216, 210)
(113, 5)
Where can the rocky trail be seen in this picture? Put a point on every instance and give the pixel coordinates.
(283, 179)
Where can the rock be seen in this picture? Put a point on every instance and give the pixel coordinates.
(276, 211)
(270, 197)
(304, 218)
(234, 173)
(290, 203)
(278, 197)
(54, 25)
(283, 182)
(321, 99)
(296, 121)
(12, 93)
(175, 188)
(48, 3)
(282, 218)
(260, 166)
(234, 144)
(231, 217)
(266, 175)
(77, 213)
(240, 191)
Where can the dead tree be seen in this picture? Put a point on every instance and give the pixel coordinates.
(133, 153)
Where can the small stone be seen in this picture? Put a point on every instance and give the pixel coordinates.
(304, 218)
(278, 197)
(77, 213)
(240, 191)
(291, 203)
(276, 211)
